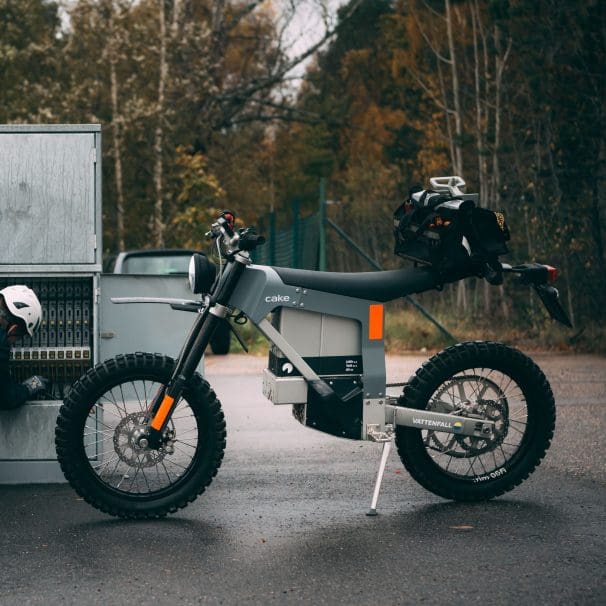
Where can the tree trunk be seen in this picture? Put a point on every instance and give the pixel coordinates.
(558, 200)
(500, 63)
(218, 41)
(482, 123)
(458, 123)
(116, 128)
(451, 138)
(159, 225)
(599, 195)
(456, 96)
(117, 136)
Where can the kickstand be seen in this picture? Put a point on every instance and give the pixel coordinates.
(375, 495)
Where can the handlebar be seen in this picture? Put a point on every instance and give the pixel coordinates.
(249, 239)
(223, 226)
(243, 240)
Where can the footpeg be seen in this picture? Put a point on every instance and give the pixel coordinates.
(375, 435)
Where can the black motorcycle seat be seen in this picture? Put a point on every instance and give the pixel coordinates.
(372, 285)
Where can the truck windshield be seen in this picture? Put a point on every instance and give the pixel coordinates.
(151, 264)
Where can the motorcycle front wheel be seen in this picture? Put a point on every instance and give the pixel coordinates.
(487, 381)
(97, 434)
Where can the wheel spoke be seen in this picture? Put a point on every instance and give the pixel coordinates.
(105, 463)
(138, 469)
(478, 391)
(102, 433)
(471, 467)
(146, 482)
(482, 464)
(516, 429)
(118, 440)
(171, 462)
(462, 395)
(166, 470)
(105, 410)
(122, 401)
(89, 444)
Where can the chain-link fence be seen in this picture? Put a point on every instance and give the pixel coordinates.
(300, 247)
(297, 246)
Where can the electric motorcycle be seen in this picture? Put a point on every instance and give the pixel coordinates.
(142, 435)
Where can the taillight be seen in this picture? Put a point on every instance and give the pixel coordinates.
(552, 273)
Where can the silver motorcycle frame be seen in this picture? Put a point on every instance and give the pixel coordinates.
(260, 291)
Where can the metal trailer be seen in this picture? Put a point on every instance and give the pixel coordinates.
(50, 239)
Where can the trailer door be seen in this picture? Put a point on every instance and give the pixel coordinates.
(147, 327)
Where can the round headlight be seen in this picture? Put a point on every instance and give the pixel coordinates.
(201, 274)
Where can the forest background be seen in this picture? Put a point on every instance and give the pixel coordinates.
(207, 104)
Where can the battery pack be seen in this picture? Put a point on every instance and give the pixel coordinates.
(332, 346)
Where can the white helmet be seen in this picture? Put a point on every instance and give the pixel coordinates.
(23, 303)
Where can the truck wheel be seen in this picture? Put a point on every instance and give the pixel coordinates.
(221, 339)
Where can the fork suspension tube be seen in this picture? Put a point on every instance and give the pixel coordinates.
(216, 313)
(189, 342)
(192, 352)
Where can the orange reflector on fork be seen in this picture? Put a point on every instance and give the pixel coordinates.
(162, 413)
(375, 322)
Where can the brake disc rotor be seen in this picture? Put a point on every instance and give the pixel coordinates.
(126, 442)
(494, 409)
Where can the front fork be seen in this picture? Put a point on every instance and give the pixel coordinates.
(167, 398)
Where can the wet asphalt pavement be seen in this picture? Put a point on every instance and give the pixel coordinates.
(284, 521)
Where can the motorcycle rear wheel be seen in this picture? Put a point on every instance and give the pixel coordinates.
(97, 430)
(489, 381)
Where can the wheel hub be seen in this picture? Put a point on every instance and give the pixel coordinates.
(131, 444)
(495, 410)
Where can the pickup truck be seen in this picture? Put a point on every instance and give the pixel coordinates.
(168, 261)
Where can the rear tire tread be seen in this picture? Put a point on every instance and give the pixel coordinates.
(437, 369)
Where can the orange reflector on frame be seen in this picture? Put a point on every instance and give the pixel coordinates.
(375, 322)
(162, 413)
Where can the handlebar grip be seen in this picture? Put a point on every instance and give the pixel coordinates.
(249, 241)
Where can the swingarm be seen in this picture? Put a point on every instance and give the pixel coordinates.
(474, 426)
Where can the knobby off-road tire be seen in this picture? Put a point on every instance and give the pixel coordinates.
(485, 379)
(104, 413)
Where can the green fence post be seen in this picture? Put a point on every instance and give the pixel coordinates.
(272, 238)
(322, 219)
(295, 232)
